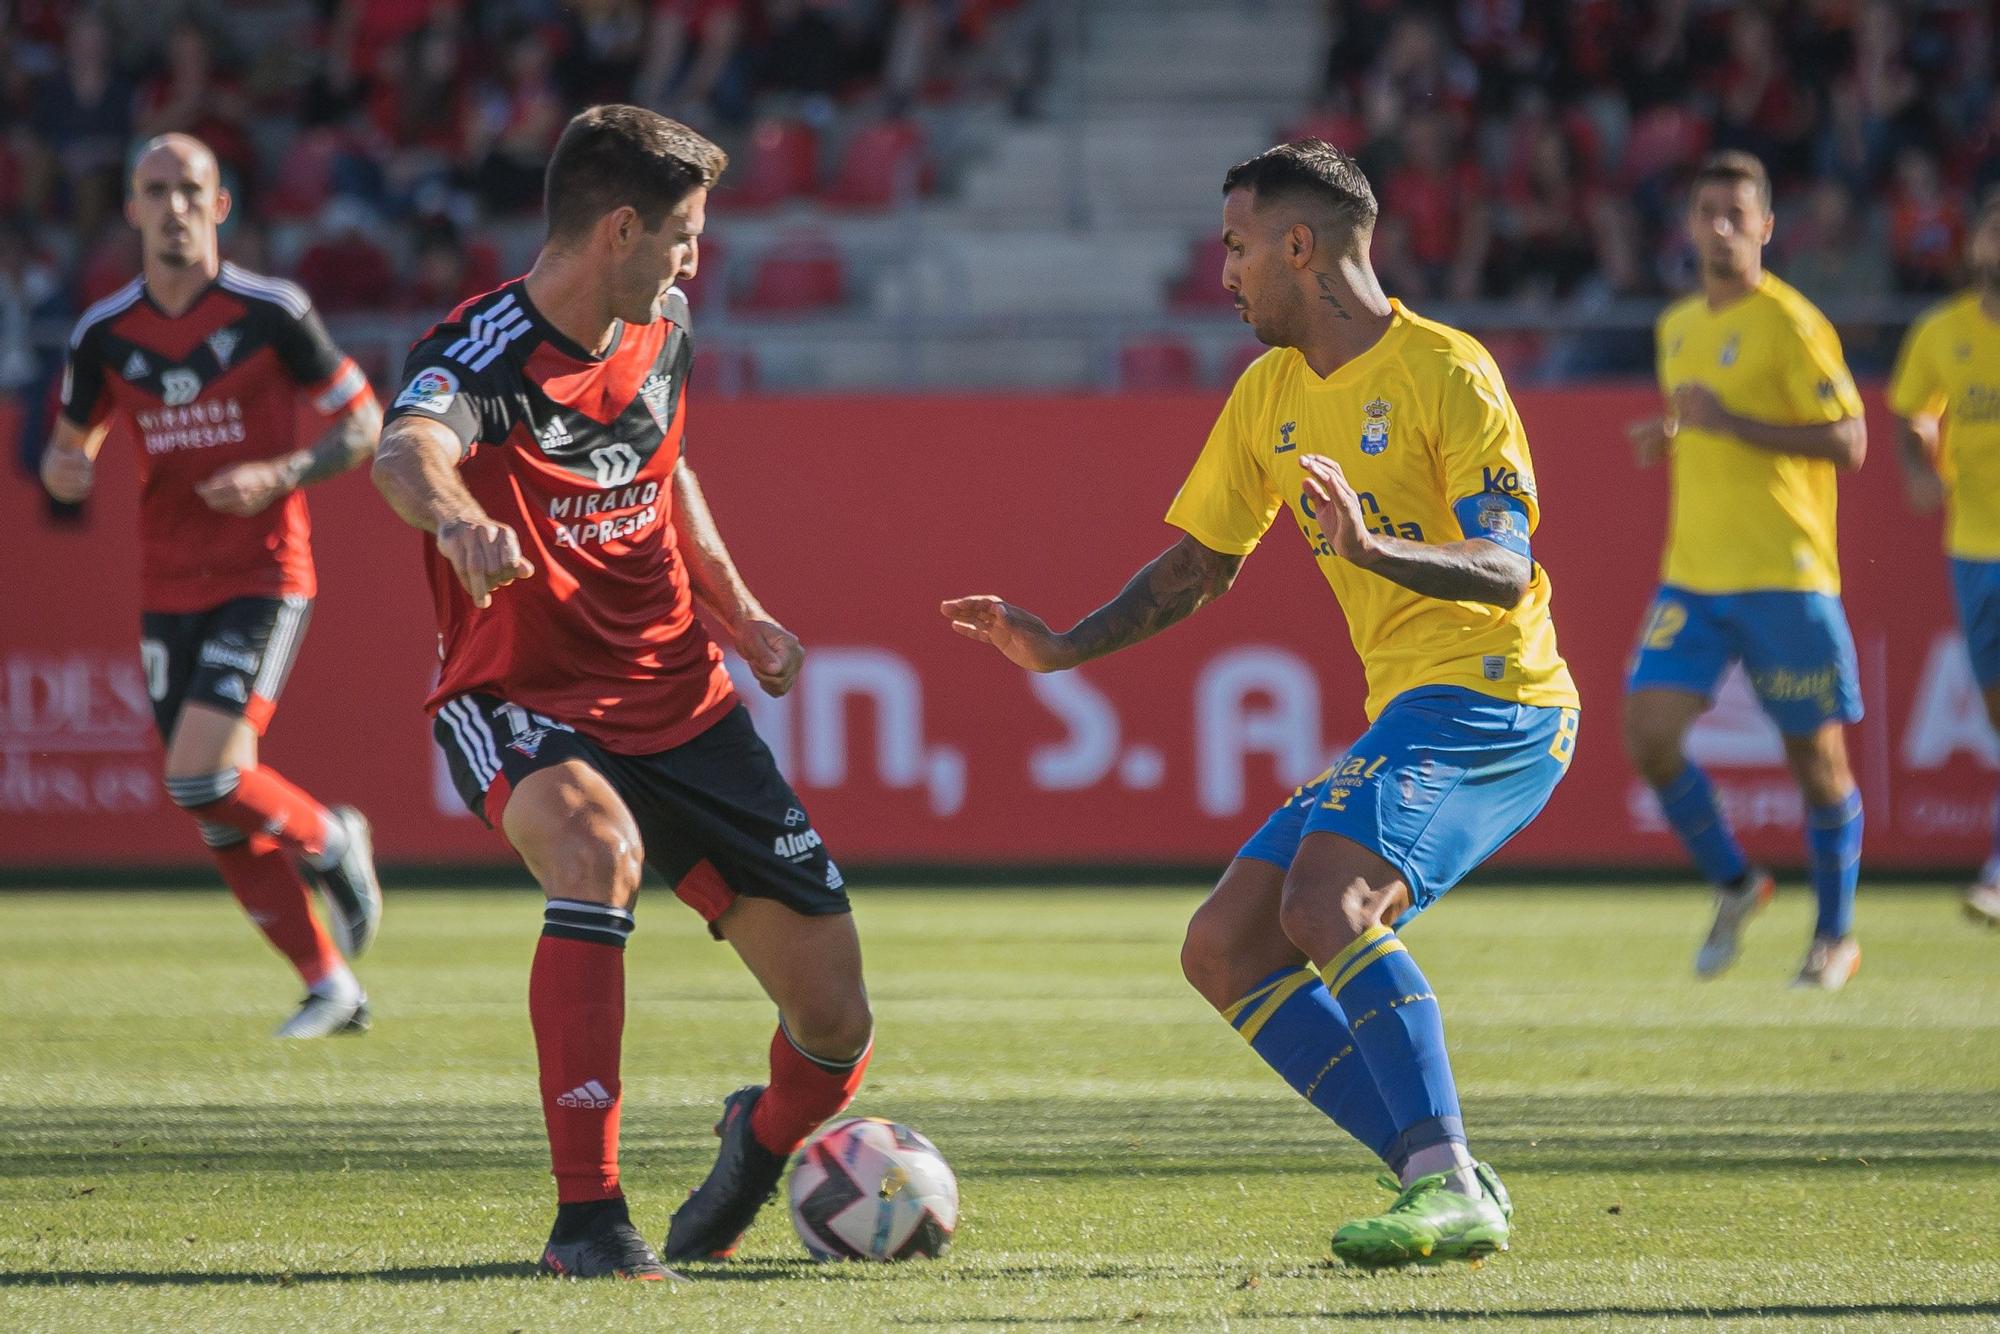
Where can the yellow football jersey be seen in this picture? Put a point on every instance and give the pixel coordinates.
(1950, 367)
(1424, 430)
(1744, 518)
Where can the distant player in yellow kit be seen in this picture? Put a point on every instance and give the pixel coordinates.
(1761, 414)
(1391, 443)
(1946, 396)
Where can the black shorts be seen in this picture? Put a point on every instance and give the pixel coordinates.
(716, 817)
(234, 657)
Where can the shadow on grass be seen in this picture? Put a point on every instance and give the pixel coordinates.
(1453, 1316)
(1042, 1137)
(282, 1278)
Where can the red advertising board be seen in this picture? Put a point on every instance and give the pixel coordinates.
(854, 517)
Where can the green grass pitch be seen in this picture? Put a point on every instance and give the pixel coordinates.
(1680, 1153)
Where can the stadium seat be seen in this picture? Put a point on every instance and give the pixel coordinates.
(347, 272)
(111, 264)
(800, 275)
(1199, 288)
(783, 164)
(1239, 360)
(1157, 363)
(883, 165)
(723, 372)
(304, 177)
(1664, 139)
(1340, 128)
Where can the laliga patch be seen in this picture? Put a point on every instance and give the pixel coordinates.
(432, 391)
(1497, 517)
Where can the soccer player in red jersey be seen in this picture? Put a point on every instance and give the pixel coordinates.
(203, 364)
(584, 710)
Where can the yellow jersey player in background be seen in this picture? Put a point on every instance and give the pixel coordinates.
(1761, 414)
(1391, 443)
(1946, 396)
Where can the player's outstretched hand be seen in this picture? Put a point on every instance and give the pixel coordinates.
(1023, 636)
(485, 555)
(244, 489)
(774, 654)
(67, 472)
(1650, 439)
(1339, 508)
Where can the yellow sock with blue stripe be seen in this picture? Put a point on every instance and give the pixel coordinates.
(1399, 1030)
(1290, 1020)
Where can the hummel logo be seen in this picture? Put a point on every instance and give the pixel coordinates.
(588, 1094)
(555, 436)
(136, 367)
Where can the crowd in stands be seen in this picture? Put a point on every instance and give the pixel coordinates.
(1540, 149)
(1532, 151)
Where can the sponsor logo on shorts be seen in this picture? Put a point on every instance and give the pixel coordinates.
(796, 847)
(794, 818)
(232, 687)
(432, 391)
(214, 653)
(834, 879)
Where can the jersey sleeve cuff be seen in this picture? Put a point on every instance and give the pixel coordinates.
(1214, 542)
(341, 389)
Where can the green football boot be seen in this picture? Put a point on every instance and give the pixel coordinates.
(1429, 1223)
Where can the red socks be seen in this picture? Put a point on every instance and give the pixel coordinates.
(267, 884)
(255, 801)
(576, 1003)
(805, 1092)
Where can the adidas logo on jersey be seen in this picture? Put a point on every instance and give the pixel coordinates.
(137, 367)
(587, 1094)
(554, 436)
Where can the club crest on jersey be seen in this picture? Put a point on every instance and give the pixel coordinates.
(1730, 347)
(432, 391)
(223, 344)
(178, 387)
(1375, 435)
(136, 367)
(1285, 442)
(658, 393)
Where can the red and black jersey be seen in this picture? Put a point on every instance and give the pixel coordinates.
(216, 385)
(575, 452)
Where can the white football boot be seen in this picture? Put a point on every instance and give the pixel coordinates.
(1733, 908)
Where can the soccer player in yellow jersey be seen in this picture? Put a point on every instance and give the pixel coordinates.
(1389, 440)
(1948, 376)
(1761, 414)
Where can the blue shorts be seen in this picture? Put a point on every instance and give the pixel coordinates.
(1442, 779)
(1796, 648)
(1976, 585)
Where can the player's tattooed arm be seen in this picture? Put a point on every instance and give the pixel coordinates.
(416, 470)
(1843, 443)
(249, 488)
(772, 652)
(1172, 587)
(1474, 570)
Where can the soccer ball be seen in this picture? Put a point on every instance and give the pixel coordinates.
(869, 1189)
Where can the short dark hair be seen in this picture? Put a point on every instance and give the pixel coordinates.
(614, 155)
(1733, 165)
(1312, 168)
